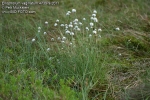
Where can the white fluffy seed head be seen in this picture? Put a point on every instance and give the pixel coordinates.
(58, 38)
(87, 28)
(84, 18)
(78, 29)
(48, 49)
(67, 14)
(70, 22)
(94, 32)
(55, 24)
(117, 29)
(62, 42)
(33, 39)
(70, 44)
(92, 18)
(90, 35)
(44, 33)
(71, 33)
(99, 29)
(67, 32)
(80, 23)
(94, 11)
(57, 20)
(75, 23)
(76, 20)
(94, 15)
(52, 39)
(46, 22)
(62, 25)
(39, 31)
(120, 54)
(70, 25)
(91, 24)
(63, 38)
(73, 10)
(99, 36)
(39, 28)
(95, 19)
(66, 27)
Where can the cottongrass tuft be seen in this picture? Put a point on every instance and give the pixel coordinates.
(99, 29)
(90, 35)
(39, 28)
(73, 10)
(80, 23)
(99, 36)
(57, 20)
(70, 25)
(33, 39)
(48, 49)
(39, 31)
(68, 13)
(94, 15)
(91, 24)
(52, 39)
(58, 38)
(95, 19)
(55, 24)
(94, 32)
(87, 28)
(62, 42)
(95, 11)
(71, 33)
(46, 22)
(117, 29)
(84, 18)
(44, 33)
(70, 43)
(63, 38)
(76, 20)
(67, 32)
(62, 25)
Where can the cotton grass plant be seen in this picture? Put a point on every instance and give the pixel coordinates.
(76, 51)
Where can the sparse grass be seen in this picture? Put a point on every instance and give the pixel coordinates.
(109, 65)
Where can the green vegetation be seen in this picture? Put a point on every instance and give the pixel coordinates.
(40, 59)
